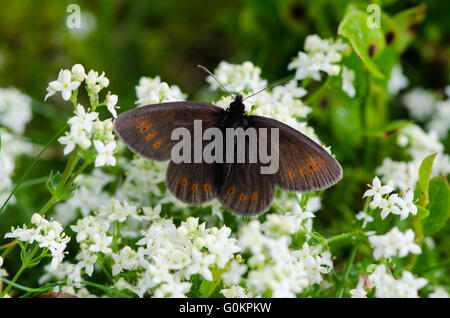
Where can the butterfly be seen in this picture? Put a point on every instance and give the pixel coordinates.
(303, 165)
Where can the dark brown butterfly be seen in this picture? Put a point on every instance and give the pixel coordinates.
(303, 164)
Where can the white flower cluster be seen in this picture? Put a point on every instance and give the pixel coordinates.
(390, 203)
(11, 147)
(419, 145)
(15, 109)
(397, 80)
(321, 55)
(273, 266)
(281, 103)
(71, 274)
(238, 78)
(394, 243)
(48, 234)
(175, 254)
(165, 257)
(386, 286)
(153, 91)
(88, 196)
(3, 273)
(85, 127)
(426, 108)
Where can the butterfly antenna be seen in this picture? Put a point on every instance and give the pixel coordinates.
(262, 90)
(210, 73)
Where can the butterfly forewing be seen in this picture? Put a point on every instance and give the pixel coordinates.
(147, 130)
(303, 164)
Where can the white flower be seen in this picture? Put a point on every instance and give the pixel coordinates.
(3, 273)
(391, 205)
(153, 91)
(440, 121)
(419, 103)
(15, 109)
(322, 56)
(407, 205)
(234, 273)
(348, 76)
(95, 82)
(105, 153)
(237, 78)
(365, 217)
(200, 265)
(234, 291)
(407, 244)
(123, 260)
(78, 72)
(111, 101)
(389, 287)
(377, 191)
(63, 84)
(359, 291)
(87, 261)
(394, 243)
(101, 243)
(398, 80)
(83, 118)
(439, 292)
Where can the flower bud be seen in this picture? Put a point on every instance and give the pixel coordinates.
(78, 72)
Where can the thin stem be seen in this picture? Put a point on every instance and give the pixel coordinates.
(217, 282)
(35, 160)
(342, 236)
(48, 205)
(73, 160)
(418, 230)
(102, 266)
(86, 163)
(347, 270)
(21, 269)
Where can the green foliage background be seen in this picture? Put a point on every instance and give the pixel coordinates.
(169, 38)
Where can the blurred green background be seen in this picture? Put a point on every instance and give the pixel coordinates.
(130, 39)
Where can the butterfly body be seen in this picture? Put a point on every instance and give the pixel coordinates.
(240, 186)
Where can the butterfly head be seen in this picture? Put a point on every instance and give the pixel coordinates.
(237, 106)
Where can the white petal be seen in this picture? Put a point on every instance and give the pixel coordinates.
(66, 93)
(100, 160)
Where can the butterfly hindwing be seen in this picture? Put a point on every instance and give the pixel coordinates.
(147, 130)
(303, 164)
(192, 183)
(245, 190)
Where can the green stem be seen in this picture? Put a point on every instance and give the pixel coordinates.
(418, 230)
(46, 288)
(73, 160)
(347, 270)
(343, 236)
(35, 160)
(86, 163)
(53, 200)
(21, 269)
(102, 266)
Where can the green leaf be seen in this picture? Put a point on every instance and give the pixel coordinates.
(363, 39)
(424, 179)
(422, 213)
(387, 129)
(439, 206)
(407, 23)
